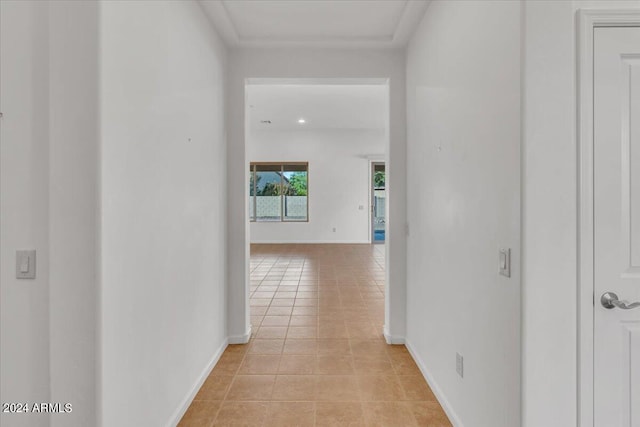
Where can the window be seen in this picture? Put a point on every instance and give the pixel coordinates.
(278, 192)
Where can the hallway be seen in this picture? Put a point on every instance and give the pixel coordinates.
(317, 355)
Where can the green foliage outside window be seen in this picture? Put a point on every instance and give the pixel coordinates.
(298, 184)
(378, 179)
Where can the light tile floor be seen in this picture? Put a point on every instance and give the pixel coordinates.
(317, 356)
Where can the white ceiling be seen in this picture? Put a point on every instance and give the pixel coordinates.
(323, 23)
(336, 106)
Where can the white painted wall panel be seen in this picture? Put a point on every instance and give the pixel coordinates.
(633, 134)
(49, 199)
(463, 195)
(163, 211)
(24, 189)
(73, 209)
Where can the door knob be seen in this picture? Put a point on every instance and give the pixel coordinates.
(610, 300)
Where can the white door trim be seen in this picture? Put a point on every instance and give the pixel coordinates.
(587, 21)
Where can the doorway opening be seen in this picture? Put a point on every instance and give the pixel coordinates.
(315, 203)
(378, 202)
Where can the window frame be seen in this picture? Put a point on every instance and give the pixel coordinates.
(253, 171)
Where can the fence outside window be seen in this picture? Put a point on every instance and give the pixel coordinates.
(279, 192)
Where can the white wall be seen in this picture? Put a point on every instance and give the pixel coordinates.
(549, 211)
(463, 187)
(315, 63)
(49, 198)
(339, 178)
(163, 213)
(24, 189)
(73, 208)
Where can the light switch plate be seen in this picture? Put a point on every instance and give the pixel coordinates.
(504, 261)
(26, 264)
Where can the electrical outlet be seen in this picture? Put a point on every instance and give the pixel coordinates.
(460, 365)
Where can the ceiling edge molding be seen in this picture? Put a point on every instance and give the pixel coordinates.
(324, 44)
(411, 16)
(413, 13)
(380, 156)
(217, 13)
(298, 81)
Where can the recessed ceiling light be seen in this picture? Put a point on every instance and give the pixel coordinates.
(302, 121)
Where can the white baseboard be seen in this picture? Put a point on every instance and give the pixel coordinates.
(240, 339)
(312, 242)
(437, 391)
(182, 409)
(392, 339)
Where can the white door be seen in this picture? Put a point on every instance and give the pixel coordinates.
(617, 225)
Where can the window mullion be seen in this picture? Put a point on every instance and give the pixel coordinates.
(255, 193)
